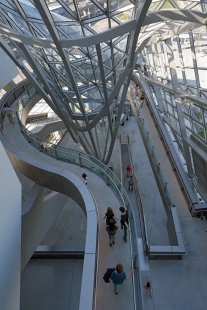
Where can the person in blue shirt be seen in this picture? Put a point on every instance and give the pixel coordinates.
(118, 276)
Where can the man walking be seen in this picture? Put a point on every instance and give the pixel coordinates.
(8, 112)
(118, 276)
(124, 221)
(131, 183)
(128, 170)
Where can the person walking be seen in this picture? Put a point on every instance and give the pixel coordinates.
(85, 178)
(109, 215)
(8, 112)
(130, 182)
(111, 229)
(142, 100)
(124, 221)
(118, 276)
(128, 170)
(137, 90)
(148, 287)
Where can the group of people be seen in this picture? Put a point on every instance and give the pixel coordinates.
(111, 226)
(118, 276)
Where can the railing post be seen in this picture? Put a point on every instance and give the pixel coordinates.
(40, 146)
(80, 160)
(56, 154)
(28, 138)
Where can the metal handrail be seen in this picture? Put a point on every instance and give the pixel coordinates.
(97, 251)
(154, 157)
(140, 206)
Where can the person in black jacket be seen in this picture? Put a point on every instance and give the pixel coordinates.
(124, 221)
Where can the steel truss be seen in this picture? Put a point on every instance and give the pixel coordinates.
(82, 54)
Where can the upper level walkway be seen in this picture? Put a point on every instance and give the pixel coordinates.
(104, 197)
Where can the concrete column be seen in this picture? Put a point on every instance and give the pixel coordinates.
(10, 234)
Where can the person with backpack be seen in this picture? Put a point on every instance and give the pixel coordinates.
(124, 221)
(118, 276)
(111, 229)
(109, 215)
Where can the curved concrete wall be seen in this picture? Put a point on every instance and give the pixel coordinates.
(67, 183)
(54, 178)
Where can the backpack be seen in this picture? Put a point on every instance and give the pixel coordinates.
(107, 274)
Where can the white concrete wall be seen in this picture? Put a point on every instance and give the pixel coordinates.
(10, 234)
(7, 68)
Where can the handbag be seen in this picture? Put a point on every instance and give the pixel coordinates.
(108, 219)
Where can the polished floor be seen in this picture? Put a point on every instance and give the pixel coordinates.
(51, 284)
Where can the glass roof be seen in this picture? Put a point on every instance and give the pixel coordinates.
(79, 19)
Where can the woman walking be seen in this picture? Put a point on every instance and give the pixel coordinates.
(119, 276)
(111, 229)
(109, 215)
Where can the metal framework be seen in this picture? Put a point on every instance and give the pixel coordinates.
(82, 54)
(175, 67)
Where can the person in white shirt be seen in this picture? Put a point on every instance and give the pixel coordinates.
(8, 112)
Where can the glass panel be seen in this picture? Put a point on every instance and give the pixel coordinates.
(32, 91)
(190, 76)
(196, 113)
(29, 9)
(187, 57)
(199, 130)
(203, 78)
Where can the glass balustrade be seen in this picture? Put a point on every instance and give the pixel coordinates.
(151, 149)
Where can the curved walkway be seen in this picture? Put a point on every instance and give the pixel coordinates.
(104, 197)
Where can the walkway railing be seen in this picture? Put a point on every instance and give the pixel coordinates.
(93, 164)
(154, 157)
(183, 179)
(173, 225)
(140, 206)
